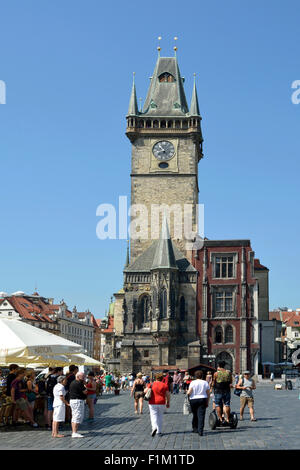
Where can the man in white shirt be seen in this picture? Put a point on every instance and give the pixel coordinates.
(198, 394)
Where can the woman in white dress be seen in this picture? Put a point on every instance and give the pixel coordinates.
(59, 404)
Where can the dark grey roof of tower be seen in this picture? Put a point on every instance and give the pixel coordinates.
(164, 254)
(166, 98)
(144, 262)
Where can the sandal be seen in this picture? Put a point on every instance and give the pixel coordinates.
(253, 419)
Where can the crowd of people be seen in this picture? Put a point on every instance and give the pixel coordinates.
(64, 398)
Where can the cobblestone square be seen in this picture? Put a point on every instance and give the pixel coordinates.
(116, 427)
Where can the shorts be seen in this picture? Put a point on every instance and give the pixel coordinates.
(92, 396)
(138, 395)
(59, 413)
(222, 398)
(77, 407)
(247, 401)
(22, 404)
(50, 403)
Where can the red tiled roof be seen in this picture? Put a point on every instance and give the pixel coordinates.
(37, 310)
(287, 317)
(110, 326)
(258, 265)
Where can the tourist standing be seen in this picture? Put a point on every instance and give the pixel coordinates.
(59, 405)
(138, 392)
(160, 398)
(70, 377)
(30, 388)
(91, 395)
(18, 396)
(50, 384)
(78, 393)
(247, 385)
(198, 394)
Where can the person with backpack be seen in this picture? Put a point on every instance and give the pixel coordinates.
(246, 385)
(50, 384)
(222, 380)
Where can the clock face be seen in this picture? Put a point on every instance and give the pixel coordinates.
(163, 150)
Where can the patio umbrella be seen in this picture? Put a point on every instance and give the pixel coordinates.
(21, 342)
(85, 360)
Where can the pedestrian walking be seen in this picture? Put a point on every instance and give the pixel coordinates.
(59, 405)
(247, 385)
(198, 394)
(186, 381)
(176, 382)
(137, 392)
(91, 395)
(131, 380)
(108, 382)
(160, 398)
(78, 393)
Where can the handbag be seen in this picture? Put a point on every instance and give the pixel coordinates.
(187, 409)
(148, 394)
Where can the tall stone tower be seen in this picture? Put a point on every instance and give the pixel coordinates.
(156, 319)
(166, 142)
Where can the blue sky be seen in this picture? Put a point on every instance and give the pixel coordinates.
(68, 65)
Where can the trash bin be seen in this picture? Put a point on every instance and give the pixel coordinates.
(289, 385)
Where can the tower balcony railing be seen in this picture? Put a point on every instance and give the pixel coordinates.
(136, 124)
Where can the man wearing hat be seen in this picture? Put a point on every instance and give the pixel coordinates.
(246, 398)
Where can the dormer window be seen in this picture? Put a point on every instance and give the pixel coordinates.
(166, 77)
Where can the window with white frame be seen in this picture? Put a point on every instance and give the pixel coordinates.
(224, 265)
(223, 302)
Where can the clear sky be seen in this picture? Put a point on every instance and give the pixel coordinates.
(68, 65)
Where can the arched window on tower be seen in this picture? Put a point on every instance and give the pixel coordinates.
(144, 310)
(182, 308)
(218, 334)
(228, 334)
(166, 77)
(163, 304)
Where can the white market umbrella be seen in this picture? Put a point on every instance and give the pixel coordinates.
(22, 342)
(84, 360)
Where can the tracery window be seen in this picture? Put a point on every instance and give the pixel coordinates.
(166, 77)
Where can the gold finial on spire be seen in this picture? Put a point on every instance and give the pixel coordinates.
(175, 47)
(159, 48)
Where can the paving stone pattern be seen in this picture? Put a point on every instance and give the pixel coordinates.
(116, 427)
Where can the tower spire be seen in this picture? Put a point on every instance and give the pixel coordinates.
(127, 255)
(164, 254)
(133, 109)
(194, 108)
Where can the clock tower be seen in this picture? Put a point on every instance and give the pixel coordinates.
(166, 142)
(155, 311)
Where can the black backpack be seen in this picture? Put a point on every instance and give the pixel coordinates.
(50, 384)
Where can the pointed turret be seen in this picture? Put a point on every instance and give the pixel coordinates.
(127, 256)
(194, 108)
(164, 254)
(133, 109)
